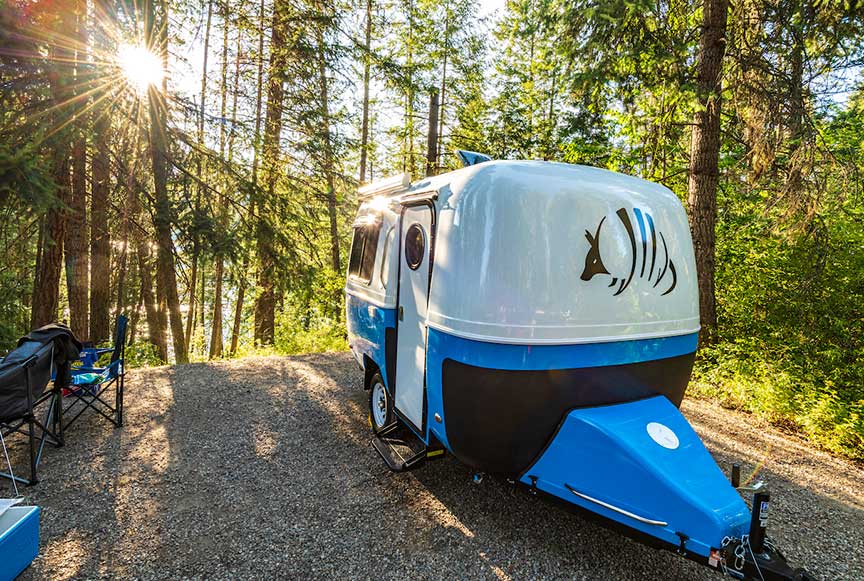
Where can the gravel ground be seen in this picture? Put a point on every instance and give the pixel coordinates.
(261, 468)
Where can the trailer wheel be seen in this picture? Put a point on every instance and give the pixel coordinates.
(380, 404)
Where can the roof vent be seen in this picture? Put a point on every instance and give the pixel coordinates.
(471, 157)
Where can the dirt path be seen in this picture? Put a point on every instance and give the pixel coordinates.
(261, 468)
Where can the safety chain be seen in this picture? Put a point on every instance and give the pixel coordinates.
(740, 550)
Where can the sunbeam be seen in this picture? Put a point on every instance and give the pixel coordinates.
(141, 67)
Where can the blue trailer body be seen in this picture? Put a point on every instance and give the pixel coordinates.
(444, 346)
(680, 487)
(368, 326)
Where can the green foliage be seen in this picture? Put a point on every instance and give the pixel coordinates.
(14, 315)
(323, 337)
(782, 392)
(142, 354)
(304, 332)
(25, 190)
(791, 321)
(24, 175)
(307, 323)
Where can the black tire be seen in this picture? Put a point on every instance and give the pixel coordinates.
(379, 398)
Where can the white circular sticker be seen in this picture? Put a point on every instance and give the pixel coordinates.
(662, 435)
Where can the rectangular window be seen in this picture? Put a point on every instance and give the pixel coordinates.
(385, 255)
(356, 252)
(363, 249)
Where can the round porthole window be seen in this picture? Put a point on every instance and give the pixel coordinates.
(415, 246)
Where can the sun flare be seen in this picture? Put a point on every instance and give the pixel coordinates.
(141, 67)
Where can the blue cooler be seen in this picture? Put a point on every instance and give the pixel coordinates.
(19, 540)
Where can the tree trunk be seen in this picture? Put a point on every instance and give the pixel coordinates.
(196, 246)
(367, 65)
(432, 135)
(122, 266)
(193, 281)
(531, 96)
(329, 162)
(202, 302)
(439, 142)
(135, 316)
(795, 186)
(162, 217)
(219, 259)
(235, 85)
(265, 304)
(549, 148)
(161, 308)
(216, 323)
(123, 260)
(409, 94)
(241, 293)
(46, 287)
(238, 310)
(100, 237)
(155, 329)
(75, 245)
(46, 295)
(704, 157)
(258, 99)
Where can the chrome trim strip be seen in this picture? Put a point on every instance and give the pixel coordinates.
(642, 519)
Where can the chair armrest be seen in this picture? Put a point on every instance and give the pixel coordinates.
(84, 369)
(112, 368)
(90, 355)
(91, 351)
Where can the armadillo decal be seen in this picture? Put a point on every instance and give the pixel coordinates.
(640, 265)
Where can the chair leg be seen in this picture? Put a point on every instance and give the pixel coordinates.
(58, 415)
(118, 403)
(32, 436)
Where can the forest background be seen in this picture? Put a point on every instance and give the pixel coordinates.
(193, 164)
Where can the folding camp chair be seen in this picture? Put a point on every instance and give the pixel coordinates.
(24, 376)
(92, 395)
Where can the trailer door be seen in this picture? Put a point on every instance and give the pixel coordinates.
(414, 271)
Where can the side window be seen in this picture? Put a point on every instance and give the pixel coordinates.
(385, 260)
(356, 252)
(415, 246)
(370, 247)
(363, 249)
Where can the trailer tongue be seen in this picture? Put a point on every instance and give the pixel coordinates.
(641, 466)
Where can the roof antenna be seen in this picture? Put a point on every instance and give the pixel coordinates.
(471, 157)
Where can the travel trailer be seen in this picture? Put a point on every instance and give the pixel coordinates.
(539, 321)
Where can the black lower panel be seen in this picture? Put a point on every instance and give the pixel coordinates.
(500, 420)
(390, 356)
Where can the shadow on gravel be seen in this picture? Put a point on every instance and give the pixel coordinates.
(492, 529)
(261, 468)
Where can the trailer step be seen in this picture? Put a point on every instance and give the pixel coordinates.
(401, 449)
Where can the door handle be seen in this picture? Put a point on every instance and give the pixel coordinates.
(401, 313)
